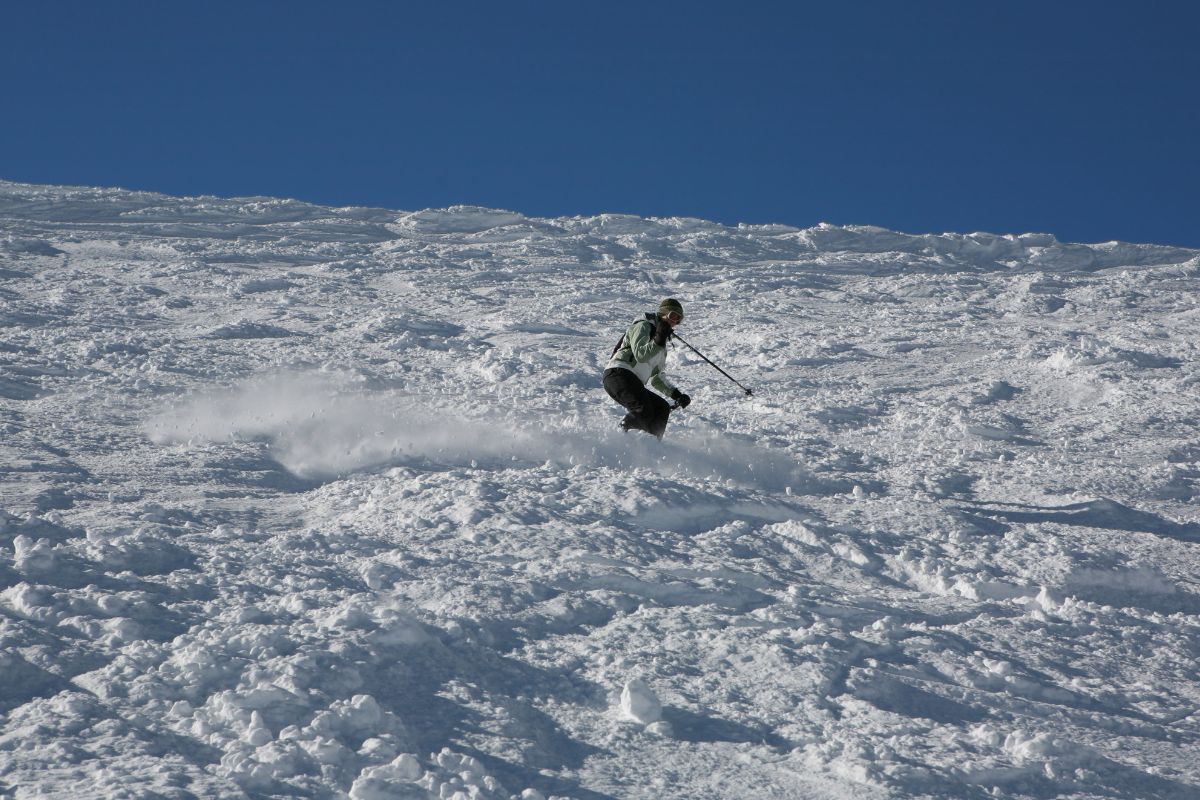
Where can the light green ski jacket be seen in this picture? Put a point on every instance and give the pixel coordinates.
(638, 353)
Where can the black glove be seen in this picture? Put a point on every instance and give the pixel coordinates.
(662, 332)
(681, 398)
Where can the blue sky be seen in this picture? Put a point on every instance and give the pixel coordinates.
(1081, 119)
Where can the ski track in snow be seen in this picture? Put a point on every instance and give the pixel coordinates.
(317, 502)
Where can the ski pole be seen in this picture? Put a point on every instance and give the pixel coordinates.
(711, 364)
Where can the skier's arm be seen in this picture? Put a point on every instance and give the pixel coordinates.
(659, 381)
(641, 342)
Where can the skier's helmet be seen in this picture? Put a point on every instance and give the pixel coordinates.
(670, 306)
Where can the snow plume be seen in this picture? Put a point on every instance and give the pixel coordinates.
(322, 426)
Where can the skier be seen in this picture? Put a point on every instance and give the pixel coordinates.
(640, 357)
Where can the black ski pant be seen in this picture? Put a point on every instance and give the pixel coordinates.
(647, 411)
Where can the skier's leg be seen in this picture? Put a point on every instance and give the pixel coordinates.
(656, 413)
(624, 387)
(621, 385)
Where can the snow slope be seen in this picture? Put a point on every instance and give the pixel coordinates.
(317, 502)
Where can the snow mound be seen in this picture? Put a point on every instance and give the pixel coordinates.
(329, 502)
